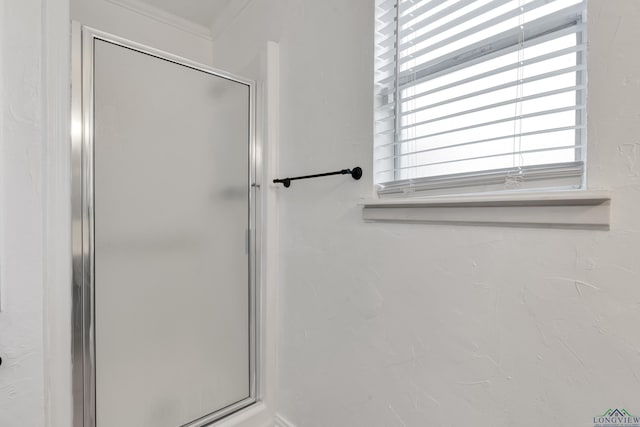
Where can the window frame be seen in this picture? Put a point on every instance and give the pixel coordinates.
(569, 176)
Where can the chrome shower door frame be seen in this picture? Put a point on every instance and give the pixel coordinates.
(82, 186)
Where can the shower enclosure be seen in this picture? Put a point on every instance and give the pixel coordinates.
(164, 237)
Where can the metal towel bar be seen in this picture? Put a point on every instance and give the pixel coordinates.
(356, 173)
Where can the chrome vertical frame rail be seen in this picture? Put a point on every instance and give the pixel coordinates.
(82, 231)
(83, 283)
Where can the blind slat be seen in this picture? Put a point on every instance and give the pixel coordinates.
(536, 32)
(478, 56)
(488, 156)
(385, 4)
(387, 29)
(531, 61)
(474, 30)
(500, 104)
(511, 37)
(505, 120)
(497, 138)
(387, 16)
(409, 13)
(441, 28)
(494, 89)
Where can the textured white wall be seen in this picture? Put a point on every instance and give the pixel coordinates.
(419, 325)
(21, 202)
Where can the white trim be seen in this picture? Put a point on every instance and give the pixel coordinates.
(228, 16)
(164, 17)
(571, 210)
(270, 113)
(280, 421)
(57, 213)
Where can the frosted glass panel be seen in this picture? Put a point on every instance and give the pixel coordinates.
(171, 216)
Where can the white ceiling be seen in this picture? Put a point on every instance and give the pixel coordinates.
(201, 12)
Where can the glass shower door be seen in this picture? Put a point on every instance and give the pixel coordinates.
(166, 185)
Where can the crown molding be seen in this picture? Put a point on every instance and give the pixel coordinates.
(164, 17)
(228, 16)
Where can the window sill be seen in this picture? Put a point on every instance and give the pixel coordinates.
(587, 210)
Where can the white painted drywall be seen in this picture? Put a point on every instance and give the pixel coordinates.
(21, 231)
(421, 325)
(146, 29)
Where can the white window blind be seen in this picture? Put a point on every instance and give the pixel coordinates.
(479, 95)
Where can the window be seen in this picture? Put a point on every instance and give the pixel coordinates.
(479, 96)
